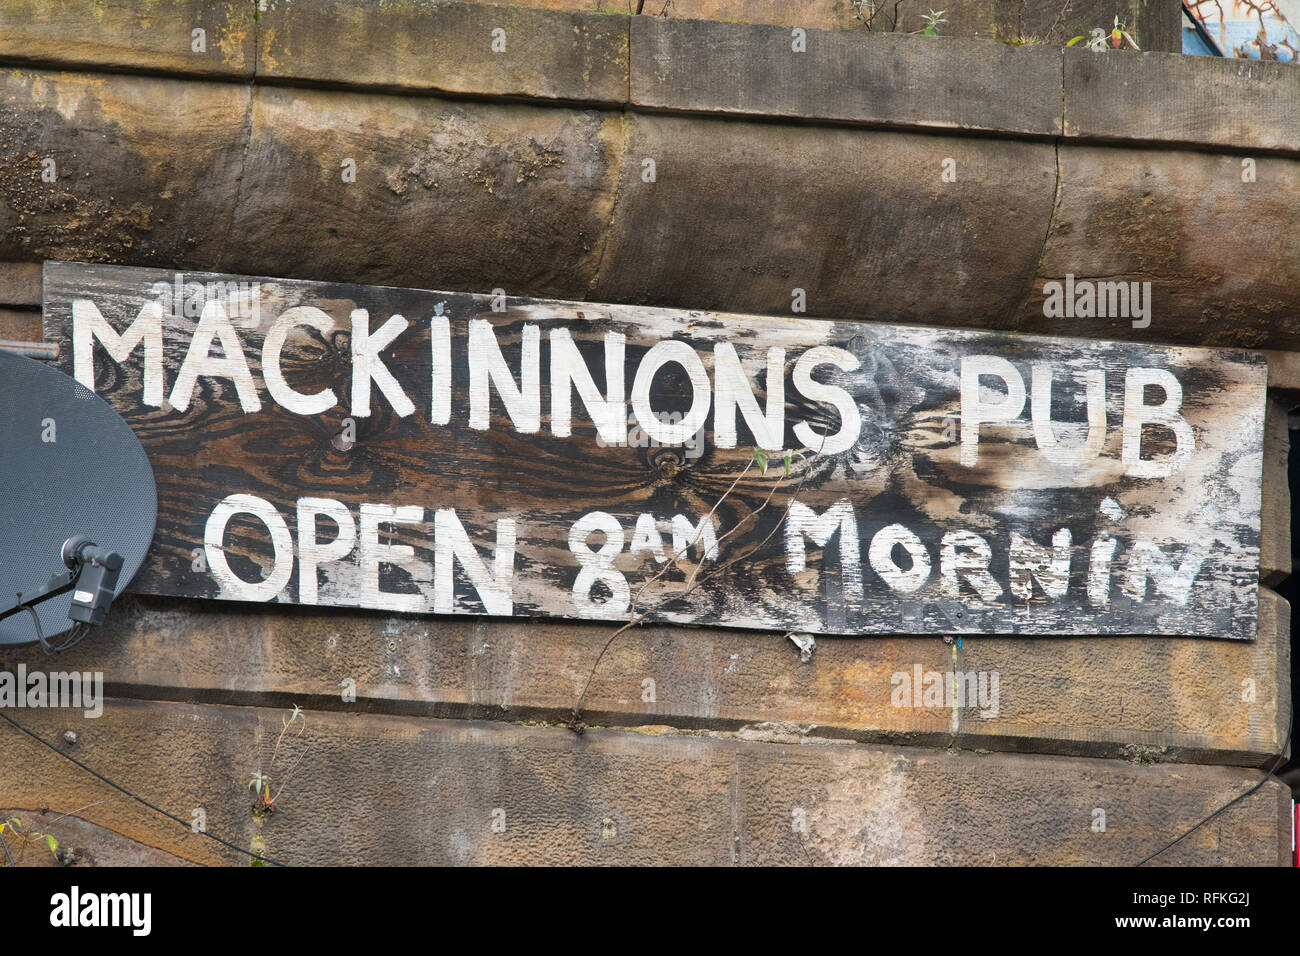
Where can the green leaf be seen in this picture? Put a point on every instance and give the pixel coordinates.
(52, 843)
(787, 464)
(760, 457)
(1074, 41)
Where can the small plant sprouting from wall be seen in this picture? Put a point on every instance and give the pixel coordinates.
(932, 21)
(22, 838)
(263, 784)
(879, 16)
(1116, 36)
(260, 783)
(889, 16)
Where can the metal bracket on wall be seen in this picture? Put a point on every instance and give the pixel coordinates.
(45, 351)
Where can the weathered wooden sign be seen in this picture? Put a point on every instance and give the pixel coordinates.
(476, 454)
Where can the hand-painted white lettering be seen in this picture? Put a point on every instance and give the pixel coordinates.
(88, 324)
(802, 521)
(488, 368)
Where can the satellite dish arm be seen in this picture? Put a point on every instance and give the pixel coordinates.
(58, 584)
(90, 604)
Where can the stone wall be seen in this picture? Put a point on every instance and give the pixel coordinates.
(773, 170)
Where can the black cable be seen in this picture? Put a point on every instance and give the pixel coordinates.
(1290, 724)
(75, 637)
(121, 789)
(40, 635)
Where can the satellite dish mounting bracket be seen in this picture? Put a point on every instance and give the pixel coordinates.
(89, 604)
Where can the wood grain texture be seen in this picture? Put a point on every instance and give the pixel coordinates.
(363, 789)
(909, 463)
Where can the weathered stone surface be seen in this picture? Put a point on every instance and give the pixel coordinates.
(551, 200)
(886, 79)
(1275, 505)
(1220, 254)
(475, 195)
(913, 807)
(858, 74)
(741, 214)
(1170, 699)
(1283, 370)
(79, 843)
(388, 790)
(153, 185)
(447, 47)
(158, 35)
(1240, 104)
(20, 283)
(21, 325)
(1155, 25)
(1150, 699)
(447, 195)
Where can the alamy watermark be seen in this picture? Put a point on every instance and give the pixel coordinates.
(639, 437)
(956, 689)
(133, 911)
(240, 299)
(1086, 299)
(58, 689)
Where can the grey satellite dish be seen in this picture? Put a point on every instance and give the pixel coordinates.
(77, 503)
